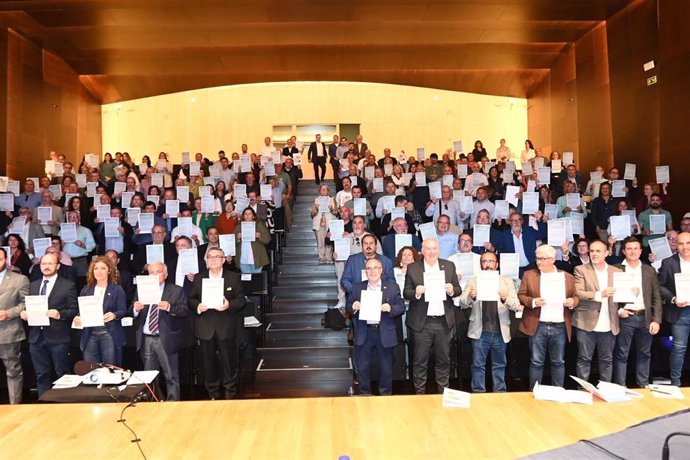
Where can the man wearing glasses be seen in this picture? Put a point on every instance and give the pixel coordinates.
(375, 304)
(219, 326)
(546, 317)
(489, 326)
(522, 239)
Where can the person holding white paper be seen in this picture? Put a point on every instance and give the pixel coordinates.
(47, 208)
(596, 317)
(360, 205)
(522, 239)
(566, 203)
(375, 335)
(30, 197)
(252, 255)
(103, 344)
(654, 209)
(163, 329)
(640, 319)
(676, 309)
(79, 249)
(476, 180)
(390, 243)
(446, 206)
(466, 261)
(196, 234)
(179, 266)
(551, 333)
(431, 323)
(49, 345)
(489, 327)
(218, 328)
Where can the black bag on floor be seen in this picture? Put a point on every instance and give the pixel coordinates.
(334, 319)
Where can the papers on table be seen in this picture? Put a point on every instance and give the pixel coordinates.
(630, 171)
(663, 175)
(624, 283)
(434, 289)
(148, 289)
(428, 231)
(618, 189)
(660, 248)
(37, 310)
(501, 209)
(341, 248)
(172, 208)
(620, 227)
(487, 285)
(560, 394)
(666, 391)
(67, 381)
(370, 306)
(682, 287)
(455, 398)
(510, 264)
(435, 190)
(188, 261)
(212, 292)
(481, 234)
(360, 206)
(248, 231)
(420, 179)
(227, 244)
(556, 232)
(145, 222)
(657, 223)
(609, 392)
(91, 311)
(40, 246)
(68, 232)
(142, 377)
(111, 227)
(544, 175)
(154, 253)
(530, 202)
(552, 290)
(45, 214)
(401, 241)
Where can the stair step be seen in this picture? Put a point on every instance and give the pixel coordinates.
(304, 358)
(304, 269)
(295, 318)
(269, 385)
(315, 337)
(303, 306)
(305, 291)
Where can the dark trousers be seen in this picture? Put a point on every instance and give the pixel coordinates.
(435, 332)
(586, 343)
(365, 353)
(156, 359)
(319, 163)
(46, 357)
(632, 326)
(220, 366)
(335, 165)
(100, 348)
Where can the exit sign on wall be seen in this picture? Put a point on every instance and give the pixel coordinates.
(651, 81)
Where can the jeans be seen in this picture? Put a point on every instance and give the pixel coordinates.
(480, 349)
(100, 348)
(680, 330)
(250, 268)
(549, 337)
(46, 356)
(604, 342)
(632, 326)
(155, 358)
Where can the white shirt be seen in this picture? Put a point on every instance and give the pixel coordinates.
(450, 209)
(520, 249)
(436, 307)
(684, 266)
(637, 280)
(49, 286)
(604, 322)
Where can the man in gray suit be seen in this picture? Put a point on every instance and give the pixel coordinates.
(431, 322)
(640, 318)
(13, 288)
(596, 316)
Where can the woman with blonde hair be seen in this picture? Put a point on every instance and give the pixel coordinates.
(320, 219)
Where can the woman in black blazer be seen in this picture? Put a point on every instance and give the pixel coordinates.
(103, 344)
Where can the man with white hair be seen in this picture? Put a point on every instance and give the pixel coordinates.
(547, 315)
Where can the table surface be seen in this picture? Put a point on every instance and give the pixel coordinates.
(504, 425)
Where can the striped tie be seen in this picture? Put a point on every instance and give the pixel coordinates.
(153, 319)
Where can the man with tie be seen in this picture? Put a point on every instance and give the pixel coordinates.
(163, 330)
(49, 345)
(375, 335)
(13, 288)
(317, 154)
(432, 322)
(219, 327)
(596, 317)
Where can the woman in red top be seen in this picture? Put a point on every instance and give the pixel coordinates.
(228, 219)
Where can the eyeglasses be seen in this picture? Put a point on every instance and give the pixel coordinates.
(465, 241)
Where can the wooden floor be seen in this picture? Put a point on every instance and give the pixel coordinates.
(395, 427)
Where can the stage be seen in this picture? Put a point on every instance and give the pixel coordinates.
(507, 425)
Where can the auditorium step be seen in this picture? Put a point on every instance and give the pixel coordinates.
(303, 306)
(285, 335)
(304, 291)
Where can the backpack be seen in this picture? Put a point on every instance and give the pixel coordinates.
(334, 319)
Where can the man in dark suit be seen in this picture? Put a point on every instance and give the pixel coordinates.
(360, 146)
(163, 330)
(431, 322)
(219, 327)
(335, 161)
(521, 240)
(317, 154)
(290, 149)
(121, 243)
(676, 309)
(372, 335)
(641, 318)
(13, 288)
(158, 234)
(49, 345)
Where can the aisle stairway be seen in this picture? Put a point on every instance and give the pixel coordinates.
(300, 357)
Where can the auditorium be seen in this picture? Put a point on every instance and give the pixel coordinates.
(303, 229)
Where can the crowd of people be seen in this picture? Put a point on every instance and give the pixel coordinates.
(423, 231)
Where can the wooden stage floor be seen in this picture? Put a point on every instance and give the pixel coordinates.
(504, 425)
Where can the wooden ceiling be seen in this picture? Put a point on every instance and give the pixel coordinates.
(127, 49)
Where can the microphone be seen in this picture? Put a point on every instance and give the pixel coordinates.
(665, 451)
